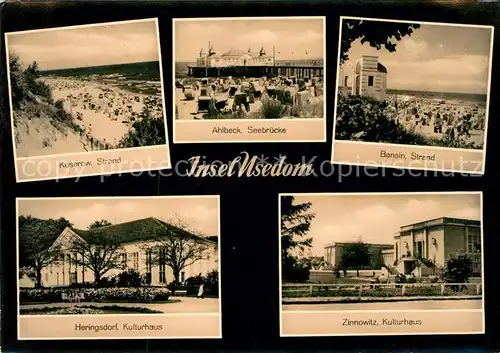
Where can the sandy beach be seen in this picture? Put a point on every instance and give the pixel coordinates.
(103, 111)
(435, 118)
(243, 98)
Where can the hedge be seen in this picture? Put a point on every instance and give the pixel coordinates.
(54, 295)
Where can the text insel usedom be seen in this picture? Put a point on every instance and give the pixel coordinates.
(248, 167)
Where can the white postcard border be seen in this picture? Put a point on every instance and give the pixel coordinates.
(280, 296)
(122, 315)
(429, 148)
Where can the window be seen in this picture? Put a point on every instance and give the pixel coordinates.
(161, 267)
(124, 260)
(183, 276)
(46, 277)
(135, 260)
(474, 244)
(148, 267)
(370, 81)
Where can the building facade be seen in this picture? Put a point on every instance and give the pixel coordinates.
(134, 238)
(333, 254)
(437, 239)
(234, 57)
(370, 78)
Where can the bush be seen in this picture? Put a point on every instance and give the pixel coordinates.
(211, 283)
(129, 278)
(146, 131)
(131, 295)
(365, 119)
(293, 271)
(272, 109)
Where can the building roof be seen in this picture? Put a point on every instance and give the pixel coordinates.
(234, 52)
(138, 230)
(368, 244)
(440, 221)
(381, 68)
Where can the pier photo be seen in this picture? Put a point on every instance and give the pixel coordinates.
(412, 264)
(413, 87)
(87, 91)
(263, 75)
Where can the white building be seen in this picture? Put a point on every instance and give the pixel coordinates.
(234, 57)
(133, 237)
(370, 78)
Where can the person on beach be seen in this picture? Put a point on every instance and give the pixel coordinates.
(201, 292)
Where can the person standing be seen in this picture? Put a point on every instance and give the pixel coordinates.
(201, 292)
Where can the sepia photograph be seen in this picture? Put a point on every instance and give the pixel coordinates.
(249, 79)
(381, 264)
(121, 267)
(413, 92)
(91, 93)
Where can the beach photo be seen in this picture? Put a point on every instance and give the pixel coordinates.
(91, 94)
(249, 79)
(121, 267)
(381, 264)
(412, 94)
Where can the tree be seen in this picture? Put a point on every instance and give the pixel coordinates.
(295, 224)
(376, 33)
(458, 268)
(211, 282)
(177, 247)
(145, 131)
(97, 252)
(98, 224)
(355, 254)
(36, 243)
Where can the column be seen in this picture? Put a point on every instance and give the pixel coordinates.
(412, 245)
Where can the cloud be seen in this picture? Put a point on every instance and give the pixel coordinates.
(81, 47)
(413, 47)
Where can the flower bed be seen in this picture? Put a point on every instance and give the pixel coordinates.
(88, 310)
(131, 295)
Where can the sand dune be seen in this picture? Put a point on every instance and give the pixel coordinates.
(41, 137)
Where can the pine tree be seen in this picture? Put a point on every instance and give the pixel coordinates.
(295, 224)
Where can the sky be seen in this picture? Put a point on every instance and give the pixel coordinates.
(291, 37)
(200, 214)
(94, 45)
(434, 58)
(375, 218)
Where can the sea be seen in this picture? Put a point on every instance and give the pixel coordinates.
(473, 98)
(142, 77)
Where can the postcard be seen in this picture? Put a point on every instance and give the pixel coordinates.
(87, 100)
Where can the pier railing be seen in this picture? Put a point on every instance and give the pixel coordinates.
(257, 71)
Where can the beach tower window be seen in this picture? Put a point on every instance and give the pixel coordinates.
(370, 81)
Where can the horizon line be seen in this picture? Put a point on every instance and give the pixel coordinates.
(424, 91)
(83, 67)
